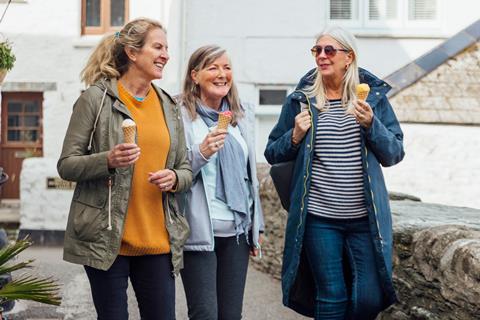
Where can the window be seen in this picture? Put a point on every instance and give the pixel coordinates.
(385, 13)
(271, 98)
(101, 16)
(23, 121)
(382, 9)
(343, 10)
(422, 10)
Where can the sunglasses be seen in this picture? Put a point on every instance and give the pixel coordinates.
(329, 50)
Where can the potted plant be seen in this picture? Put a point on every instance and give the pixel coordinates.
(26, 286)
(7, 59)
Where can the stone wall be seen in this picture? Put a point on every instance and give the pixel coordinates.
(436, 255)
(449, 94)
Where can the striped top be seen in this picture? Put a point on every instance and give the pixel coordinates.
(336, 189)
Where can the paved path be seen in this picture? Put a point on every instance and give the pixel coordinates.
(262, 296)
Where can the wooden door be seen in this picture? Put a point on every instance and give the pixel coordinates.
(21, 136)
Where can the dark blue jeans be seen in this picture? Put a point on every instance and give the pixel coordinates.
(152, 281)
(342, 260)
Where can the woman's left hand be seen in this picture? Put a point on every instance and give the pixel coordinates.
(254, 252)
(363, 113)
(165, 179)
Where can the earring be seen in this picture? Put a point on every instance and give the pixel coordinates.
(346, 66)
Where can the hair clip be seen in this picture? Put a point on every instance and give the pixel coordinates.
(117, 34)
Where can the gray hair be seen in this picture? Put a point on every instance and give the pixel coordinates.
(350, 80)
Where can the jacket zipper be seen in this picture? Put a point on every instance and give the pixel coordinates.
(307, 173)
(373, 198)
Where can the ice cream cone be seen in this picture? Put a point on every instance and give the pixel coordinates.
(224, 118)
(362, 91)
(129, 128)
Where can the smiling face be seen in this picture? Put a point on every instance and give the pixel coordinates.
(215, 81)
(336, 65)
(153, 56)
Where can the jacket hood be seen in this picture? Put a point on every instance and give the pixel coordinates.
(365, 77)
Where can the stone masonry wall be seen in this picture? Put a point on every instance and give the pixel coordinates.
(449, 94)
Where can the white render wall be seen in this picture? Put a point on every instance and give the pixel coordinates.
(42, 208)
(441, 164)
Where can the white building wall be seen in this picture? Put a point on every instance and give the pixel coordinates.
(441, 164)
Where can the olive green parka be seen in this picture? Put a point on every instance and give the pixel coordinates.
(99, 206)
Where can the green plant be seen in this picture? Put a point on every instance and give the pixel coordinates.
(26, 286)
(7, 58)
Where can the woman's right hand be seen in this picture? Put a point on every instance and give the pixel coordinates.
(303, 122)
(213, 142)
(123, 155)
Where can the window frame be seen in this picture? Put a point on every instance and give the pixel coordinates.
(105, 23)
(271, 109)
(401, 26)
(22, 97)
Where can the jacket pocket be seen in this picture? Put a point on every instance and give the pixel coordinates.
(87, 222)
(92, 193)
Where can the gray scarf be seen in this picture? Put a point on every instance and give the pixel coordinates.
(232, 184)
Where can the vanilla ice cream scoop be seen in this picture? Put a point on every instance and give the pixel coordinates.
(129, 128)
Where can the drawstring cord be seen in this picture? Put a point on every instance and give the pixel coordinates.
(109, 203)
(89, 148)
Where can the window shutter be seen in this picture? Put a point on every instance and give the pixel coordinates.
(422, 9)
(341, 9)
(382, 9)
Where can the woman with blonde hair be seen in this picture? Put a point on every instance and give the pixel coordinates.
(337, 261)
(223, 205)
(124, 221)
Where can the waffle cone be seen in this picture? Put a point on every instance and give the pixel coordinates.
(223, 121)
(129, 134)
(362, 91)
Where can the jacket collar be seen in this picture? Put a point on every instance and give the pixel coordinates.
(377, 86)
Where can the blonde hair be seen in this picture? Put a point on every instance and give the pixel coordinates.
(350, 78)
(199, 60)
(109, 59)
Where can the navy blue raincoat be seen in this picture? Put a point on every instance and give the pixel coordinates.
(382, 145)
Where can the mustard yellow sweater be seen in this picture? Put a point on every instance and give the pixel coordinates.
(145, 232)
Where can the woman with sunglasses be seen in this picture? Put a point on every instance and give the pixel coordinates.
(337, 261)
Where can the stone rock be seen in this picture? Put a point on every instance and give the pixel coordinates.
(436, 255)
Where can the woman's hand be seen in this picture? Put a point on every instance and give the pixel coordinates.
(165, 180)
(123, 155)
(213, 142)
(254, 252)
(363, 113)
(303, 122)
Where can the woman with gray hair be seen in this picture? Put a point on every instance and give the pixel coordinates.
(337, 261)
(223, 205)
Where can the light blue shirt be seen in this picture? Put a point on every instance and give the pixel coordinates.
(219, 209)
